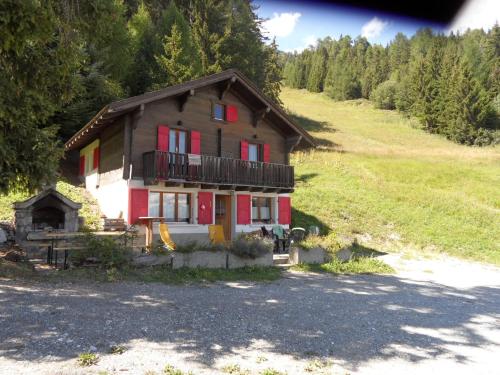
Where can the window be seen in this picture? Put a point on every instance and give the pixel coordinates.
(177, 141)
(262, 210)
(174, 207)
(253, 152)
(218, 111)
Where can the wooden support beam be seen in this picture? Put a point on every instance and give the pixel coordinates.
(191, 185)
(290, 144)
(226, 86)
(183, 99)
(208, 186)
(226, 187)
(242, 188)
(172, 183)
(259, 115)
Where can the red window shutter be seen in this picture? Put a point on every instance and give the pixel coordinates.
(163, 136)
(137, 204)
(243, 209)
(244, 150)
(205, 210)
(82, 165)
(195, 142)
(267, 153)
(284, 210)
(231, 113)
(96, 158)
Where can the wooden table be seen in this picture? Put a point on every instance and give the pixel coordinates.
(148, 221)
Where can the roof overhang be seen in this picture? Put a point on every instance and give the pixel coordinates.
(239, 84)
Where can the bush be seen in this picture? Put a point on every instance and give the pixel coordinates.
(384, 96)
(106, 250)
(247, 246)
(328, 242)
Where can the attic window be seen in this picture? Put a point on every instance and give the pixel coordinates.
(218, 111)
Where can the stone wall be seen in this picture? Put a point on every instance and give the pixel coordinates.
(207, 259)
(312, 256)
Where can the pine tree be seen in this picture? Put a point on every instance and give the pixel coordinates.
(144, 45)
(474, 109)
(273, 77)
(315, 80)
(179, 59)
(425, 89)
(39, 61)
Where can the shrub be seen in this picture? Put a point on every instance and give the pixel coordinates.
(106, 250)
(192, 246)
(328, 242)
(87, 359)
(248, 246)
(384, 96)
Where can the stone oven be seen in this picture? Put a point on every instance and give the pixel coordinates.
(47, 211)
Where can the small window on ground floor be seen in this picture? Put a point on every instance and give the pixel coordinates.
(262, 210)
(174, 207)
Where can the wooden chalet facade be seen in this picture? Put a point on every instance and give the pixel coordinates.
(212, 150)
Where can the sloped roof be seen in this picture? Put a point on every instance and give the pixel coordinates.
(241, 84)
(50, 191)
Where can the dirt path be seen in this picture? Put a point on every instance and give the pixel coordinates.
(439, 316)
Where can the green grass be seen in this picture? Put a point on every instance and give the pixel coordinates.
(157, 274)
(89, 211)
(353, 266)
(376, 175)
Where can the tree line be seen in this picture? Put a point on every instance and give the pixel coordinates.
(63, 60)
(451, 83)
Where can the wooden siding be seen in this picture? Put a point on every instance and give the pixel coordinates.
(112, 147)
(197, 116)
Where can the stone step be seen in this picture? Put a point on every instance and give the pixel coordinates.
(280, 259)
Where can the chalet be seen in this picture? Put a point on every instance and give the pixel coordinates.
(212, 150)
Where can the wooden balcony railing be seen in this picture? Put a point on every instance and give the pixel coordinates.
(163, 166)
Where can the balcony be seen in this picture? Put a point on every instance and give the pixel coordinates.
(216, 172)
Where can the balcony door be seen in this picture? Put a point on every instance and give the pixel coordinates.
(223, 214)
(178, 141)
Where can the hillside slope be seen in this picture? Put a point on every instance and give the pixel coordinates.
(377, 178)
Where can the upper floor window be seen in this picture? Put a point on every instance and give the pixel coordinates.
(253, 152)
(219, 111)
(177, 141)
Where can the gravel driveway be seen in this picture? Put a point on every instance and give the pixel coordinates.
(439, 316)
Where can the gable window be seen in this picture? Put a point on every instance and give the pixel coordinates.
(173, 207)
(262, 210)
(177, 141)
(218, 111)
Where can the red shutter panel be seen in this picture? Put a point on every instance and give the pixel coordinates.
(137, 204)
(243, 207)
(231, 113)
(82, 165)
(195, 142)
(284, 210)
(267, 153)
(96, 158)
(163, 136)
(244, 150)
(205, 210)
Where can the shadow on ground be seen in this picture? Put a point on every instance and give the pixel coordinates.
(317, 127)
(305, 220)
(351, 318)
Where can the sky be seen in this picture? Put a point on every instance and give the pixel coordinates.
(297, 25)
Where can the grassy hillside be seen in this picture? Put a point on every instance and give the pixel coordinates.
(378, 178)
